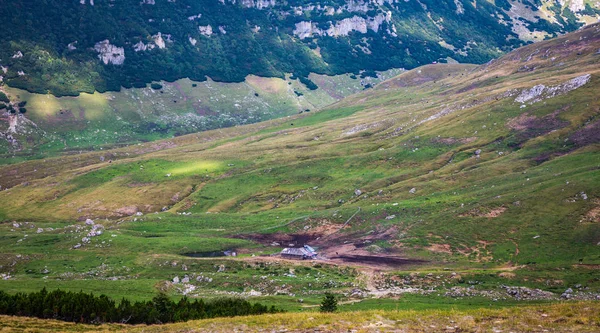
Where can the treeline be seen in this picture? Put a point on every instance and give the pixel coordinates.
(82, 307)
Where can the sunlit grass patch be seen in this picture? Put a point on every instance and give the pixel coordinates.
(196, 168)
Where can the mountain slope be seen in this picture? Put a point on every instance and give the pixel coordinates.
(490, 171)
(34, 125)
(68, 47)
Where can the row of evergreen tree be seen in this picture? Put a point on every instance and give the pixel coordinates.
(87, 308)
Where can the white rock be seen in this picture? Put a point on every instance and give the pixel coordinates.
(205, 30)
(109, 53)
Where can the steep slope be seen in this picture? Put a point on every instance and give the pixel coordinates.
(68, 47)
(488, 170)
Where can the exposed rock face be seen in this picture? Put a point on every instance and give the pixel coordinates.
(158, 41)
(540, 92)
(109, 53)
(306, 29)
(258, 4)
(205, 30)
(574, 5)
(459, 7)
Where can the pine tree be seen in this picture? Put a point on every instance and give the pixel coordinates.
(329, 303)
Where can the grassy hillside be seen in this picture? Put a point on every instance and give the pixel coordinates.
(446, 186)
(48, 126)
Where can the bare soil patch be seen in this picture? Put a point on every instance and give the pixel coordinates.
(337, 248)
(370, 260)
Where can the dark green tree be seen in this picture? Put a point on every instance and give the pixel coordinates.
(329, 303)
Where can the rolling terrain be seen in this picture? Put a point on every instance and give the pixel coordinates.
(450, 186)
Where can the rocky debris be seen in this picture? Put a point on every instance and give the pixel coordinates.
(357, 192)
(202, 278)
(524, 293)
(89, 222)
(76, 246)
(255, 293)
(5, 276)
(17, 55)
(176, 280)
(97, 230)
(187, 289)
(568, 294)
(109, 53)
(412, 190)
(390, 217)
(541, 92)
(478, 152)
(23, 225)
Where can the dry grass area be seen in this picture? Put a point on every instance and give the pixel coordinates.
(564, 317)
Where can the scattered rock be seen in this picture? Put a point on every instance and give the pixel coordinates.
(412, 190)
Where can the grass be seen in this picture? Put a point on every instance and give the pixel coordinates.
(107, 120)
(519, 212)
(566, 317)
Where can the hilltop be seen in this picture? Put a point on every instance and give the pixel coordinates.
(447, 186)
